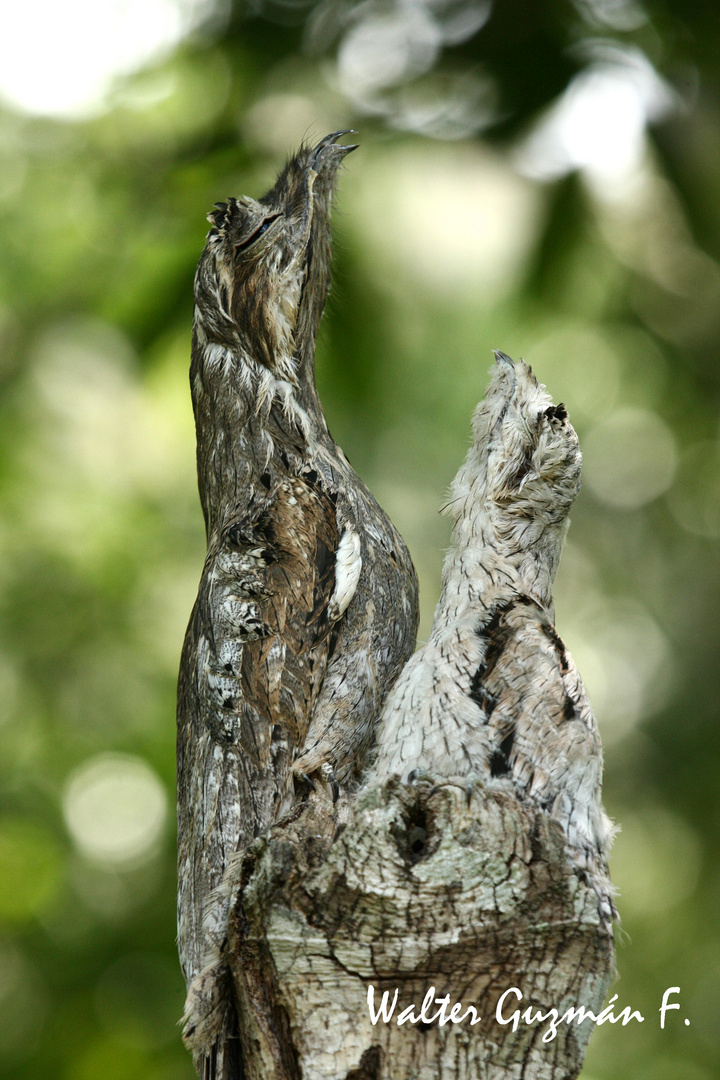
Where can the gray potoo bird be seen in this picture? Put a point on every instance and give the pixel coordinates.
(307, 605)
(494, 696)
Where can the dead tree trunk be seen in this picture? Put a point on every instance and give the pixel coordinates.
(406, 890)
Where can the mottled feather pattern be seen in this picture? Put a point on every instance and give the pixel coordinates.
(494, 696)
(307, 605)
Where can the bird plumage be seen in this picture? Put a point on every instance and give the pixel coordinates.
(307, 605)
(494, 696)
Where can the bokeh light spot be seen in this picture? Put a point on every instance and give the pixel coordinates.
(629, 458)
(625, 660)
(578, 364)
(115, 809)
(598, 125)
(465, 219)
(386, 50)
(79, 47)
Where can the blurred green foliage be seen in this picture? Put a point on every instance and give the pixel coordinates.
(477, 214)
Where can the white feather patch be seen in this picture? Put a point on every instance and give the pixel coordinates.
(348, 564)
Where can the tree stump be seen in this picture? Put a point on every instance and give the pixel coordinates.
(405, 889)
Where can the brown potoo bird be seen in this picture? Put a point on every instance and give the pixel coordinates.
(307, 605)
(494, 696)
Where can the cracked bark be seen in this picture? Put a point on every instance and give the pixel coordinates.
(407, 888)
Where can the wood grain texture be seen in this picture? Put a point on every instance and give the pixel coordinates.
(408, 888)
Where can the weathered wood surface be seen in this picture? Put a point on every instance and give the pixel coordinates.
(414, 887)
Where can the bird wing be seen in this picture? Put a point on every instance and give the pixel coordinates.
(259, 641)
(275, 579)
(543, 733)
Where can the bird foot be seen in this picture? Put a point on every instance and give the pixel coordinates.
(205, 1008)
(304, 784)
(418, 776)
(423, 778)
(473, 783)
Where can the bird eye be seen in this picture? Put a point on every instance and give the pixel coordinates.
(262, 228)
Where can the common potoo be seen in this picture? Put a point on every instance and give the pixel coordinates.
(307, 605)
(494, 696)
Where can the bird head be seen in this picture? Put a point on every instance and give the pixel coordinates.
(263, 277)
(524, 468)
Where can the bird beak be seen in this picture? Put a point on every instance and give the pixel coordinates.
(506, 373)
(327, 151)
(502, 358)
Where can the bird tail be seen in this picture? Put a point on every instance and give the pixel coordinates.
(210, 1026)
(223, 1062)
